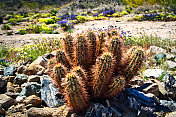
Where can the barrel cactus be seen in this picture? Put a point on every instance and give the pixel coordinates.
(91, 70)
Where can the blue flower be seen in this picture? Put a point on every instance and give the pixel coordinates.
(7, 61)
(96, 15)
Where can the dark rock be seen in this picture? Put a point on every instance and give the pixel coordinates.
(10, 71)
(23, 70)
(48, 55)
(153, 88)
(31, 89)
(12, 95)
(170, 85)
(3, 85)
(147, 112)
(18, 89)
(169, 104)
(9, 78)
(98, 110)
(34, 78)
(138, 82)
(6, 101)
(139, 96)
(20, 79)
(158, 58)
(1, 70)
(49, 93)
(2, 111)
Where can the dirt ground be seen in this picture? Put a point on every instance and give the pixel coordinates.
(161, 29)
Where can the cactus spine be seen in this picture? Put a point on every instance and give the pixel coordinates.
(61, 57)
(91, 37)
(75, 93)
(102, 73)
(60, 72)
(82, 52)
(69, 46)
(132, 62)
(100, 43)
(116, 86)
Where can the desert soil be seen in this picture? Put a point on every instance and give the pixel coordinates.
(161, 29)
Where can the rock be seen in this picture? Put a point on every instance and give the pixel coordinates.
(6, 101)
(153, 88)
(49, 93)
(158, 58)
(10, 71)
(34, 78)
(10, 87)
(40, 73)
(1, 71)
(12, 95)
(170, 64)
(33, 100)
(62, 111)
(18, 89)
(20, 79)
(152, 96)
(155, 50)
(98, 110)
(20, 98)
(34, 68)
(9, 78)
(48, 55)
(147, 112)
(16, 108)
(170, 104)
(172, 114)
(31, 89)
(3, 86)
(156, 73)
(23, 70)
(170, 85)
(170, 56)
(2, 111)
(138, 82)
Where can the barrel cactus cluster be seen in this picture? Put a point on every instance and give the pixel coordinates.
(92, 66)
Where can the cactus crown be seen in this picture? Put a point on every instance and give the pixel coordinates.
(92, 69)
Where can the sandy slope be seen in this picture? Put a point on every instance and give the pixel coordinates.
(161, 29)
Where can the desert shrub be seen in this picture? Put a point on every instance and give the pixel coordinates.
(10, 33)
(22, 31)
(47, 20)
(5, 27)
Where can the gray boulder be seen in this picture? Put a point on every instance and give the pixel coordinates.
(10, 71)
(20, 79)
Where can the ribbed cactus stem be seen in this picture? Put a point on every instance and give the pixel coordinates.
(81, 53)
(102, 73)
(61, 57)
(69, 46)
(75, 94)
(100, 43)
(59, 72)
(91, 37)
(132, 62)
(112, 33)
(116, 86)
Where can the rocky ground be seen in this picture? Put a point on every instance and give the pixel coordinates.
(160, 29)
(27, 90)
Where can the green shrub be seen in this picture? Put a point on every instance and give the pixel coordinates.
(22, 31)
(5, 27)
(10, 33)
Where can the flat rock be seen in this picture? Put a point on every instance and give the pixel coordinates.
(62, 111)
(3, 85)
(20, 79)
(33, 100)
(23, 70)
(9, 78)
(153, 88)
(6, 101)
(38, 65)
(16, 108)
(49, 93)
(170, 64)
(172, 114)
(10, 71)
(156, 73)
(12, 95)
(155, 50)
(170, 104)
(34, 78)
(10, 87)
